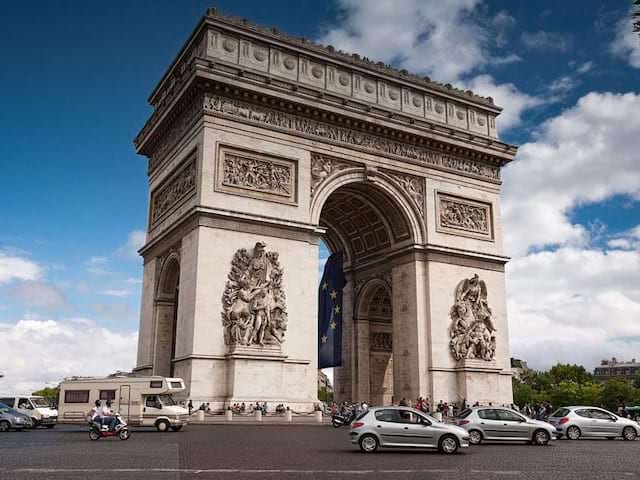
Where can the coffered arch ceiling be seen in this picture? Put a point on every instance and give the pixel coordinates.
(374, 302)
(363, 221)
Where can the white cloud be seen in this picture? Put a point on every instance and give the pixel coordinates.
(542, 40)
(626, 44)
(585, 67)
(115, 292)
(629, 240)
(39, 294)
(514, 102)
(14, 267)
(45, 351)
(574, 306)
(133, 281)
(135, 241)
(450, 41)
(586, 154)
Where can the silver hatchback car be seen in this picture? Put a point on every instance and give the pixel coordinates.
(405, 427)
(498, 423)
(576, 422)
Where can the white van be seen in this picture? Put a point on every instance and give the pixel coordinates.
(36, 407)
(141, 401)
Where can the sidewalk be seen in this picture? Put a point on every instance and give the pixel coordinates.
(212, 419)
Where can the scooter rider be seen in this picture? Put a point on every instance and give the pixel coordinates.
(96, 414)
(109, 416)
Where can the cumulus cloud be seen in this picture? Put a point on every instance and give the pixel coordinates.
(39, 294)
(574, 305)
(135, 241)
(449, 41)
(586, 154)
(626, 44)
(514, 101)
(41, 352)
(15, 267)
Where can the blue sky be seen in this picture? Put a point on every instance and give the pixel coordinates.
(73, 91)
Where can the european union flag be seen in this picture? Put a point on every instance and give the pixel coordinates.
(330, 313)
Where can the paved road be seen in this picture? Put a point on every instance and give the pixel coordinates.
(291, 452)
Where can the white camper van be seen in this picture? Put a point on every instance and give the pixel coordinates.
(36, 407)
(141, 401)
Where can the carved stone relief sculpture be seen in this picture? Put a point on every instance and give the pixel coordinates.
(165, 198)
(466, 217)
(381, 341)
(414, 186)
(254, 307)
(256, 175)
(322, 167)
(472, 332)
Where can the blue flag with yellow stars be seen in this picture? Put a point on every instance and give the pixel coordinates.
(330, 313)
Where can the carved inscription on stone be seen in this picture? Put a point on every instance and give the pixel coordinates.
(179, 187)
(323, 167)
(472, 332)
(332, 133)
(462, 216)
(256, 175)
(381, 341)
(254, 307)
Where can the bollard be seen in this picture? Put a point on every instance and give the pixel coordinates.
(228, 415)
(258, 414)
(288, 416)
(318, 415)
(200, 415)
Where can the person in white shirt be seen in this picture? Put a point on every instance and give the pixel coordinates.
(96, 414)
(108, 416)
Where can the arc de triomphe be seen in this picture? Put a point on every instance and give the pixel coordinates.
(260, 146)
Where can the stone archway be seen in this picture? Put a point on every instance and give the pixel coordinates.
(371, 222)
(375, 312)
(166, 307)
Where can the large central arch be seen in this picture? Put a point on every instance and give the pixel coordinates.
(371, 220)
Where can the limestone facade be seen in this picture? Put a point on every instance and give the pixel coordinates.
(266, 143)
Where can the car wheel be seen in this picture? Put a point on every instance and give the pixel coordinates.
(475, 437)
(573, 433)
(629, 433)
(124, 434)
(162, 425)
(336, 424)
(4, 426)
(368, 444)
(51, 426)
(541, 437)
(177, 428)
(35, 422)
(448, 445)
(93, 435)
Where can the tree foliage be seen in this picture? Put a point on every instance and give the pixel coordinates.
(51, 394)
(565, 385)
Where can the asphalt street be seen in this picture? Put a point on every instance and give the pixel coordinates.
(258, 452)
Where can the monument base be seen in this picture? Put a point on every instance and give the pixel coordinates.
(480, 380)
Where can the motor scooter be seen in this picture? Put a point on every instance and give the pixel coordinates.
(121, 430)
(341, 419)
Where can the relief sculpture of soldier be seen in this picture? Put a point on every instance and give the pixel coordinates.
(473, 331)
(253, 300)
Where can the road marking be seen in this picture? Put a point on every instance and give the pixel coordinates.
(289, 471)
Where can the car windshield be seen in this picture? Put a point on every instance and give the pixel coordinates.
(561, 412)
(10, 410)
(167, 400)
(39, 402)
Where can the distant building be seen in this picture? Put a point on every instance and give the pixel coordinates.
(519, 368)
(325, 389)
(613, 368)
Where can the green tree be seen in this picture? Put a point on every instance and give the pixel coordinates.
(565, 372)
(636, 380)
(51, 394)
(617, 392)
(523, 393)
